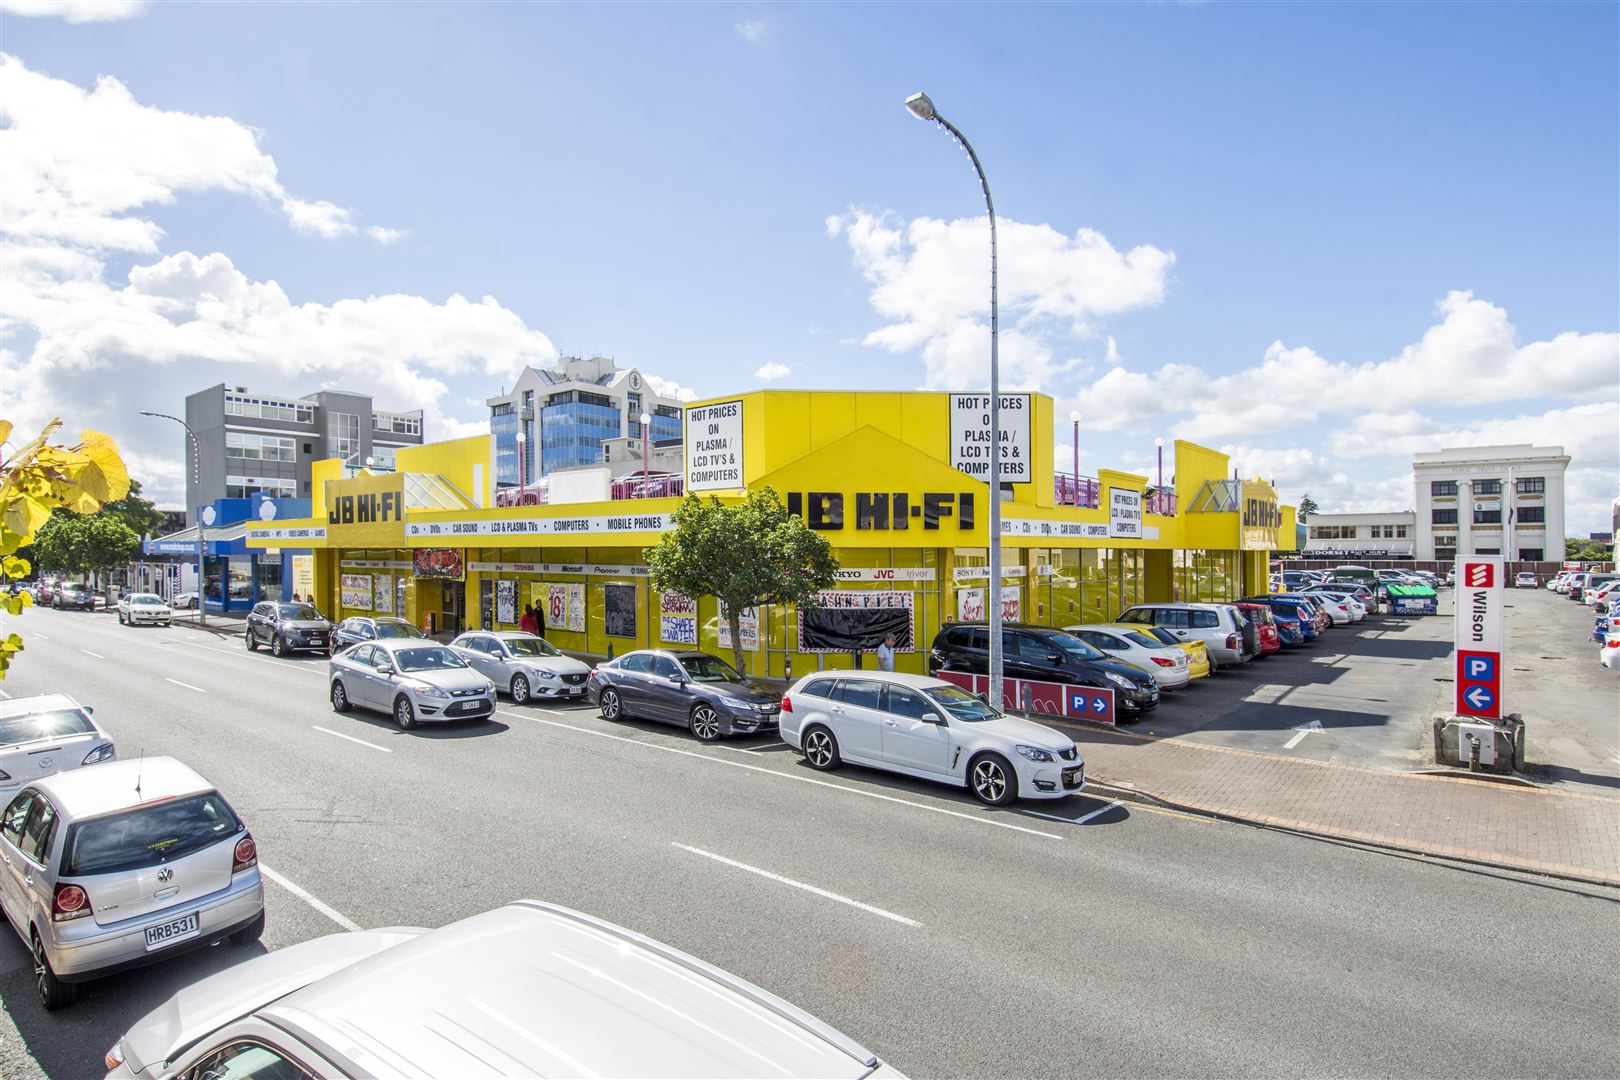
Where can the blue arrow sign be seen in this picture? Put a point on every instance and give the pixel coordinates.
(1099, 704)
(1479, 697)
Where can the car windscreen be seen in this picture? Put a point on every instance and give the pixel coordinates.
(53, 724)
(147, 835)
(145, 600)
(710, 669)
(299, 611)
(427, 658)
(1071, 645)
(398, 630)
(962, 705)
(530, 646)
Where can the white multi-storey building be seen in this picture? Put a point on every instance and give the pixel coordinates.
(1361, 536)
(1491, 500)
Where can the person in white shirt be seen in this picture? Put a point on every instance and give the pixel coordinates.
(885, 654)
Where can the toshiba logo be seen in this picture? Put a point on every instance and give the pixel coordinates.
(1477, 575)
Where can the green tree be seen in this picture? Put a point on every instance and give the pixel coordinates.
(38, 478)
(1307, 507)
(85, 543)
(745, 554)
(141, 515)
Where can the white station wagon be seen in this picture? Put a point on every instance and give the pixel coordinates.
(930, 729)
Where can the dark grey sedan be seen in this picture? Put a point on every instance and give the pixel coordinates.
(700, 692)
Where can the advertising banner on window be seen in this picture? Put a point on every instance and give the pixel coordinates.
(356, 591)
(438, 563)
(748, 623)
(850, 620)
(506, 602)
(677, 619)
(619, 611)
(382, 591)
(303, 576)
(563, 605)
(970, 604)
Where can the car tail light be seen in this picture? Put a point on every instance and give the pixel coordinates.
(70, 902)
(1231, 641)
(245, 855)
(787, 703)
(1162, 662)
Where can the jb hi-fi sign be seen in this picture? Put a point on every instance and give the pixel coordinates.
(1479, 636)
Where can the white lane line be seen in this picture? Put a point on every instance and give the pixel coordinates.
(187, 685)
(97, 655)
(1095, 813)
(351, 738)
(789, 776)
(1299, 737)
(41, 637)
(314, 902)
(824, 893)
(760, 749)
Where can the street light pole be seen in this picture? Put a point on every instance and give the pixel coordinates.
(1160, 444)
(1075, 416)
(196, 475)
(923, 109)
(646, 450)
(521, 439)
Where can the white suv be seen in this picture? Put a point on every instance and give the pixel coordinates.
(1219, 626)
(930, 729)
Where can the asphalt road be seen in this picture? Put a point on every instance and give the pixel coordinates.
(986, 943)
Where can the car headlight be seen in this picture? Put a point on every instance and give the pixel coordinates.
(1034, 753)
(115, 1056)
(427, 690)
(104, 752)
(542, 673)
(1120, 680)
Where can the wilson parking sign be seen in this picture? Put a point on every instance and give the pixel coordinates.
(1092, 704)
(1479, 636)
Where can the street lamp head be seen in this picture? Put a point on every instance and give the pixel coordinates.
(921, 106)
(369, 460)
(522, 437)
(1159, 443)
(646, 418)
(1075, 416)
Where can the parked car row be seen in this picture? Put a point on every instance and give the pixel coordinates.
(1591, 587)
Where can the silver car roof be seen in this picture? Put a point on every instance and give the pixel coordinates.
(532, 989)
(120, 785)
(25, 706)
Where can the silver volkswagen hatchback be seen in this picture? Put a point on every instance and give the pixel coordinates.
(410, 680)
(124, 865)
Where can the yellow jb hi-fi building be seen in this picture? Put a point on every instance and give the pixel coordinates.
(896, 482)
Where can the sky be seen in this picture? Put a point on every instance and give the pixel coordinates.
(1320, 237)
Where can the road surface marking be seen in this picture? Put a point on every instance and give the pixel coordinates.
(761, 749)
(4, 695)
(1096, 813)
(325, 909)
(97, 655)
(351, 738)
(1300, 733)
(824, 893)
(41, 637)
(976, 819)
(187, 685)
(1069, 820)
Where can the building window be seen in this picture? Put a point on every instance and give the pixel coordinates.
(245, 446)
(1530, 554)
(309, 448)
(1333, 532)
(632, 408)
(343, 437)
(1443, 517)
(396, 423)
(572, 432)
(503, 424)
(242, 487)
(1400, 532)
(1532, 515)
(1487, 487)
(1487, 551)
(1443, 488)
(382, 458)
(1532, 485)
(1487, 517)
(269, 409)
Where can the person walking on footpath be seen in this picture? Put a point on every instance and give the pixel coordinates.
(529, 624)
(885, 653)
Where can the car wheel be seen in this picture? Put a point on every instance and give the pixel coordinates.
(520, 690)
(821, 748)
(277, 648)
(120, 618)
(53, 992)
(404, 715)
(705, 724)
(252, 642)
(250, 933)
(340, 697)
(611, 707)
(992, 779)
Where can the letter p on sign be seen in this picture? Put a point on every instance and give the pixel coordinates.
(1478, 575)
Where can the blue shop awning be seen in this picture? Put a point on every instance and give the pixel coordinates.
(217, 540)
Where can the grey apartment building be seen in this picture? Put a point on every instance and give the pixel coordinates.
(254, 442)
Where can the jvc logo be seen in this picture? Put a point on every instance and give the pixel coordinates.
(1477, 575)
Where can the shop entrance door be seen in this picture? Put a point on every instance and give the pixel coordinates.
(451, 607)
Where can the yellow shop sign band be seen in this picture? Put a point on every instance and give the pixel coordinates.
(616, 523)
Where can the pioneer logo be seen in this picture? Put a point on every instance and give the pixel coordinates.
(1477, 575)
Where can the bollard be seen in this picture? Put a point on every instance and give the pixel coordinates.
(1473, 753)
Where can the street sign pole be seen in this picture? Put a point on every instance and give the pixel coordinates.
(1478, 636)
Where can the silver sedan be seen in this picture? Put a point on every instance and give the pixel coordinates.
(524, 665)
(410, 680)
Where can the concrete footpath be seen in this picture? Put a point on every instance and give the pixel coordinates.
(1573, 835)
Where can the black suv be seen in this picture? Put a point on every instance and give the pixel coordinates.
(1044, 654)
(288, 628)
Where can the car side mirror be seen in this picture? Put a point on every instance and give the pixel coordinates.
(91, 709)
(1055, 658)
(385, 668)
(932, 718)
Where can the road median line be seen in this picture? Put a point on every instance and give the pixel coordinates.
(816, 890)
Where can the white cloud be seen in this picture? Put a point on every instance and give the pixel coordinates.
(384, 235)
(752, 31)
(77, 11)
(79, 166)
(772, 371)
(930, 281)
(669, 388)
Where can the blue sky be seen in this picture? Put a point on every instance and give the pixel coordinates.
(1306, 224)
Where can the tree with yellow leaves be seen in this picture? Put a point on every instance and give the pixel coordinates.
(37, 479)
